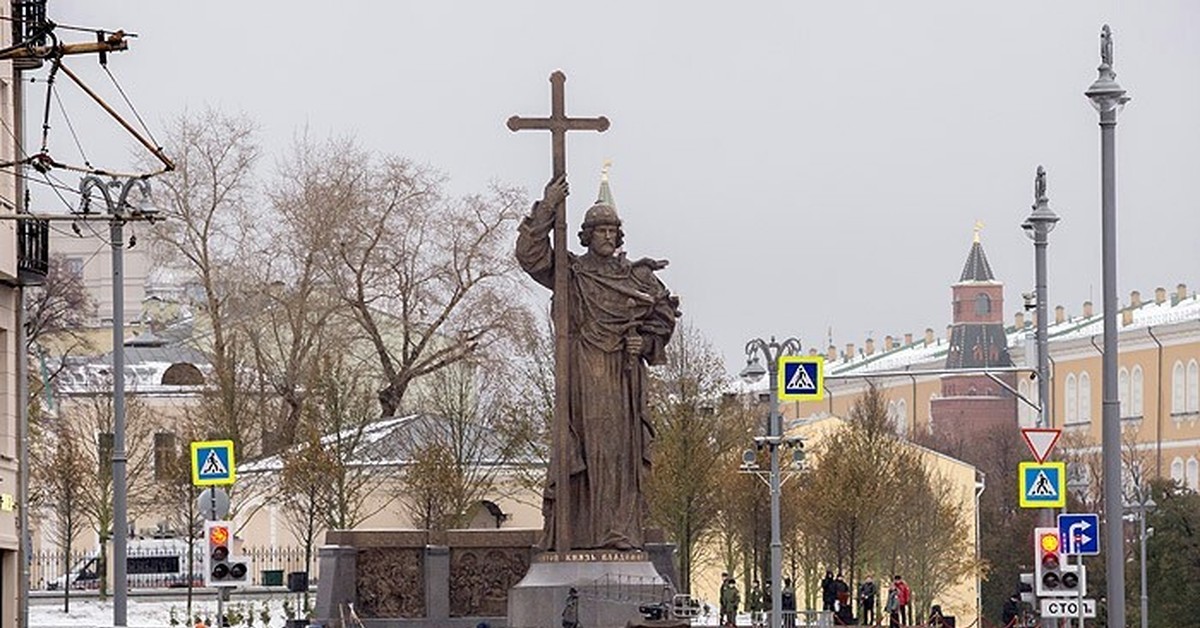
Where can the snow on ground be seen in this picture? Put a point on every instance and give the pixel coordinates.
(147, 613)
(155, 613)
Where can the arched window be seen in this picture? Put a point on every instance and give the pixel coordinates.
(1123, 391)
(983, 304)
(1193, 474)
(1193, 386)
(902, 413)
(1136, 387)
(1085, 397)
(1177, 389)
(1177, 470)
(1071, 398)
(182, 374)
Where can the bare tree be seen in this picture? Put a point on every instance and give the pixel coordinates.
(694, 431)
(60, 481)
(208, 228)
(463, 404)
(89, 420)
(427, 278)
(61, 305)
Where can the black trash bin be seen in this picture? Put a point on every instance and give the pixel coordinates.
(297, 582)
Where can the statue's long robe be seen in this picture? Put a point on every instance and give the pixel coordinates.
(610, 432)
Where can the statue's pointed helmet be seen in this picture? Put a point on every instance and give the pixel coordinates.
(604, 210)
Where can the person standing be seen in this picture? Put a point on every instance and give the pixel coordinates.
(788, 603)
(1011, 611)
(866, 600)
(756, 605)
(828, 594)
(892, 607)
(905, 599)
(730, 599)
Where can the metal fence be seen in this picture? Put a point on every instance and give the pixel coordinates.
(162, 567)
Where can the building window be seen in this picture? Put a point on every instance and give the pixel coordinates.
(1193, 387)
(902, 414)
(1193, 474)
(1136, 388)
(1177, 389)
(983, 304)
(1071, 398)
(74, 266)
(1085, 397)
(1123, 391)
(1177, 470)
(164, 455)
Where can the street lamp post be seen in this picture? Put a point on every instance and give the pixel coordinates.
(1107, 96)
(120, 211)
(1144, 505)
(771, 352)
(1038, 226)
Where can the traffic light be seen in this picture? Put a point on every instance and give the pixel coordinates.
(1053, 577)
(221, 567)
(1047, 562)
(1025, 587)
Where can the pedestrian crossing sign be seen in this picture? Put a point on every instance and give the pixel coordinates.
(801, 377)
(212, 463)
(1042, 484)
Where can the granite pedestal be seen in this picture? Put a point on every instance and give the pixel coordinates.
(610, 586)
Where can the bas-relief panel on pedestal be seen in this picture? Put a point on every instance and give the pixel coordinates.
(389, 582)
(480, 579)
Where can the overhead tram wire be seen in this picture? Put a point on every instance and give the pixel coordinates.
(71, 128)
(129, 104)
(68, 27)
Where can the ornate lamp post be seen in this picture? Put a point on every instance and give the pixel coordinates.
(1108, 97)
(771, 352)
(1143, 505)
(120, 210)
(1038, 226)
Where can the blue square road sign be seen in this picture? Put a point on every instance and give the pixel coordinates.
(1080, 533)
(212, 463)
(801, 377)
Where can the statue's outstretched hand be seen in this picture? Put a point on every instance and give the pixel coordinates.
(556, 191)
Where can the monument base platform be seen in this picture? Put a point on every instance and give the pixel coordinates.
(609, 586)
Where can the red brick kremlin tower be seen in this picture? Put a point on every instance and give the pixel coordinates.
(974, 404)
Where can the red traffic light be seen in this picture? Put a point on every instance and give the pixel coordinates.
(1050, 561)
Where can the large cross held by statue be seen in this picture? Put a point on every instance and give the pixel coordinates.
(558, 124)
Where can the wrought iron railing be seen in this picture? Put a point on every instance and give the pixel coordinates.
(160, 568)
(33, 251)
(29, 25)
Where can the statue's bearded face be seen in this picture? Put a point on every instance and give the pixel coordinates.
(604, 240)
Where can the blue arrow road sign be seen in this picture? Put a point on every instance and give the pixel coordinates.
(1080, 533)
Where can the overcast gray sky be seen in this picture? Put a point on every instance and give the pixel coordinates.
(804, 165)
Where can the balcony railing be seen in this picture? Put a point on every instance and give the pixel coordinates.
(33, 251)
(29, 25)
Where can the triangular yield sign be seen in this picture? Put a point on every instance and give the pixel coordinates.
(1040, 440)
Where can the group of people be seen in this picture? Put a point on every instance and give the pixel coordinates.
(758, 602)
(835, 597)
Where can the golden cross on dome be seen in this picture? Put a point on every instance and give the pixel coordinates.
(978, 228)
(604, 169)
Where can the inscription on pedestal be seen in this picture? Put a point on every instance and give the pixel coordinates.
(591, 556)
